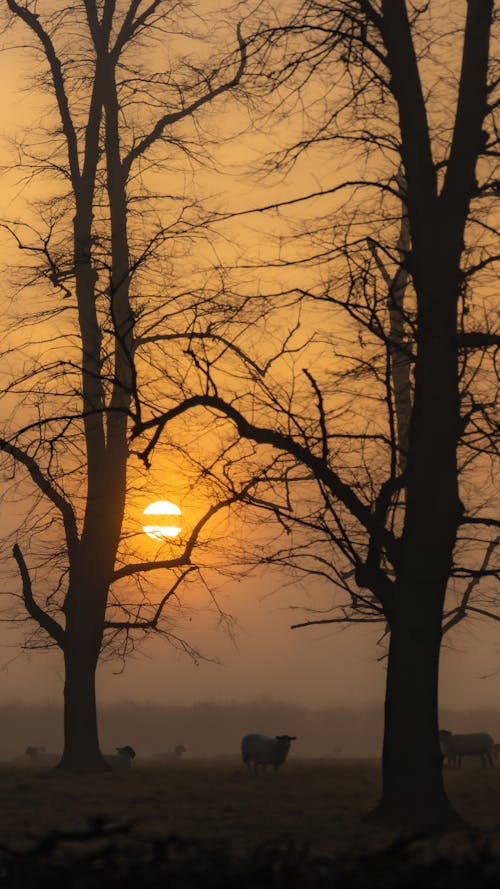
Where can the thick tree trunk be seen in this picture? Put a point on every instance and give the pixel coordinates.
(413, 791)
(413, 794)
(85, 609)
(81, 742)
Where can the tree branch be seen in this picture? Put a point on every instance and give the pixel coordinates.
(169, 119)
(152, 623)
(348, 619)
(42, 618)
(477, 340)
(44, 485)
(32, 20)
(461, 610)
(479, 520)
(131, 25)
(467, 142)
(406, 86)
(184, 559)
(280, 441)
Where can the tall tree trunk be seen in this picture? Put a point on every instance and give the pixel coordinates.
(412, 781)
(413, 792)
(81, 741)
(83, 608)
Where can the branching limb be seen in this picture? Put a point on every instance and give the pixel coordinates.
(168, 119)
(321, 410)
(185, 557)
(280, 441)
(42, 618)
(152, 623)
(479, 520)
(478, 340)
(49, 491)
(347, 619)
(461, 610)
(32, 20)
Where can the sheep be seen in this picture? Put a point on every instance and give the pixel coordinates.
(174, 755)
(446, 749)
(38, 757)
(496, 751)
(259, 750)
(122, 759)
(454, 747)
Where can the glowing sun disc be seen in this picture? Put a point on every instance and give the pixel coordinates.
(164, 521)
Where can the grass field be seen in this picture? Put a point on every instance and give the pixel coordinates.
(309, 811)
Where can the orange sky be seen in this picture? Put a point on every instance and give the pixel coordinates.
(322, 666)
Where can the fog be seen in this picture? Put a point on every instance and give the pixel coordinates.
(215, 730)
(314, 670)
(269, 678)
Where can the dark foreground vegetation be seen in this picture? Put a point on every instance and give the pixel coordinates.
(99, 859)
(207, 824)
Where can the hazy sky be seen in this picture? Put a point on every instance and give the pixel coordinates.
(318, 666)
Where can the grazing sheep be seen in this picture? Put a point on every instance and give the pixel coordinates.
(454, 747)
(122, 759)
(259, 750)
(38, 758)
(496, 751)
(174, 755)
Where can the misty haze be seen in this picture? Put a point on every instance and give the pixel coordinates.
(249, 443)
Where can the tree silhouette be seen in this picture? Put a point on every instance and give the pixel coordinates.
(123, 100)
(385, 505)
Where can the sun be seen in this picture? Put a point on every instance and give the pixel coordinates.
(162, 521)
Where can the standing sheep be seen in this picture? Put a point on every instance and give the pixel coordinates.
(38, 758)
(454, 747)
(259, 750)
(170, 756)
(122, 759)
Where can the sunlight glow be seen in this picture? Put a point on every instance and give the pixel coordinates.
(163, 526)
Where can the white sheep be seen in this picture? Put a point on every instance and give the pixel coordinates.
(38, 758)
(170, 756)
(259, 750)
(122, 759)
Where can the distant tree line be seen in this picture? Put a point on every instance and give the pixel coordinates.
(209, 728)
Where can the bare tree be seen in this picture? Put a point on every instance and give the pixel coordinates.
(122, 103)
(382, 485)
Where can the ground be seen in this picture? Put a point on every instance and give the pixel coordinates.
(213, 812)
